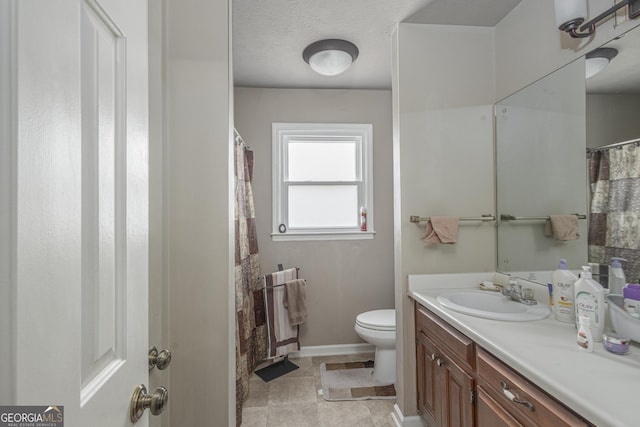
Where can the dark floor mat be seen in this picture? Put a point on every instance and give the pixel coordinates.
(276, 370)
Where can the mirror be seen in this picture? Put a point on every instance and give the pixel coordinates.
(541, 170)
(542, 135)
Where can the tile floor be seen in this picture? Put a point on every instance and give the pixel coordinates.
(293, 400)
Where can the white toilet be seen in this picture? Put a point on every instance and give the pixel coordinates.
(378, 327)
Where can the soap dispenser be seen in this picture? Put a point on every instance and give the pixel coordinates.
(617, 279)
(589, 301)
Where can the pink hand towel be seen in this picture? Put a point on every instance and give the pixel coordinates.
(562, 227)
(442, 229)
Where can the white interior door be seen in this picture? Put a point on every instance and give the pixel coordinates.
(78, 222)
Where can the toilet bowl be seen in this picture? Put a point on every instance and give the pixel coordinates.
(378, 327)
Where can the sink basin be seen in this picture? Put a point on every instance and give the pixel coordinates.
(492, 305)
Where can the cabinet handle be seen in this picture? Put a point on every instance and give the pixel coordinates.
(514, 398)
(436, 359)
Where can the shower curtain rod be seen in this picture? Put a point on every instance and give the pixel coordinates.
(617, 144)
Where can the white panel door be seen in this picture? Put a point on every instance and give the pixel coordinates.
(80, 206)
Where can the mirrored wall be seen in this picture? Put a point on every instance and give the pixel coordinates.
(542, 136)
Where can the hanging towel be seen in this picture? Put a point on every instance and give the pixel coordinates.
(442, 229)
(562, 227)
(295, 301)
(283, 336)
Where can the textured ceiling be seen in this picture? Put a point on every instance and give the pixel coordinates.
(270, 35)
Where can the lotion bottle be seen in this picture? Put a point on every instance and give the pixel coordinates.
(617, 279)
(585, 339)
(589, 301)
(563, 293)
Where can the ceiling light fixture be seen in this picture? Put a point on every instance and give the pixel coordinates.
(330, 57)
(598, 59)
(570, 15)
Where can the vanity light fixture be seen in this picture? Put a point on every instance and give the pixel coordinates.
(330, 57)
(570, 15)
(598, 59)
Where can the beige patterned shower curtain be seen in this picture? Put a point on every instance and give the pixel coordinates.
(614, 223)
(251, 334)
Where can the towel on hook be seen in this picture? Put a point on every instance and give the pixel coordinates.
(562, 227)
(442, 229)
(295, 301)
(283, 336)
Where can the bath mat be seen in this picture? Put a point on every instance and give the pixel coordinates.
(353, 381)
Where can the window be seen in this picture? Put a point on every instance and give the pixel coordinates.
(322, 177)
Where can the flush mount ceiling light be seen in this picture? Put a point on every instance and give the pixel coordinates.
(598, 59)
(330, 57)
(570, 15)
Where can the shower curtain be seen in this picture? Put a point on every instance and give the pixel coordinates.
(614, 225)
(251, 333)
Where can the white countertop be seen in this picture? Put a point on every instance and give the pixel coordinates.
(600, 386)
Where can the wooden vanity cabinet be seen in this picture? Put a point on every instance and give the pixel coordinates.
(445, 373)
(461, 384)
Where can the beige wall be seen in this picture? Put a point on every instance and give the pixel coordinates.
(345, 277)
(611, 119)
(199, 212)
(443, 146)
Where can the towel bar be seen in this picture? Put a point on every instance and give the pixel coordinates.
(507, 217)
(274, 286)
(280, 268)
(484, 217)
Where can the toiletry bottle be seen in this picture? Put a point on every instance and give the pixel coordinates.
(589, 301)
(363, 219)
(563, 294)
(616, 276)
(585, 339)
(631, 295)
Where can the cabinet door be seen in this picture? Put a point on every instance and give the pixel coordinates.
(429, 399)
(492, 414)
(445, 396)
(458, 388)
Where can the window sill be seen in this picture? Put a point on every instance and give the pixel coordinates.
(290, 236)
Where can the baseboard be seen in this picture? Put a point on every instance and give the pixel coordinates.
(333, 350)
(401, 421)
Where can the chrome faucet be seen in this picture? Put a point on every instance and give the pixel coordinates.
(514, 292)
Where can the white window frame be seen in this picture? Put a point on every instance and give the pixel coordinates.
(282, 133)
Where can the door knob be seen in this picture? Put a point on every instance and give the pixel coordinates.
(160, 360)
(140, 401)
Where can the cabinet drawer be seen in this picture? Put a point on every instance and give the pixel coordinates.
(519, 397)
(492, 414)
(437, 329)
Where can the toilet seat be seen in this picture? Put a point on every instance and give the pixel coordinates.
(379, 320)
